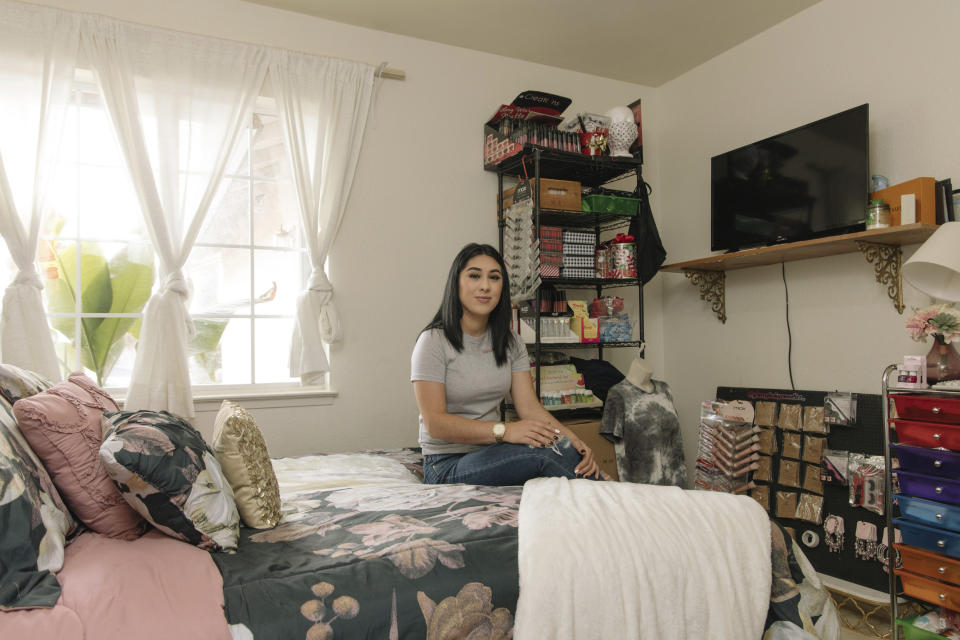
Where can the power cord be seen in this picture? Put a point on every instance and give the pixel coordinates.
(786, 295)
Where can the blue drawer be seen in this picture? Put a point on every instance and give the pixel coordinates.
(929, 487)
(932, 538)
(935, 514)
(937, 462)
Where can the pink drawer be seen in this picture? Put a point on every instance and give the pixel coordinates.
(927, 408)
(928, 434)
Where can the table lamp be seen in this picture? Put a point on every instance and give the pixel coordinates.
(934, 269)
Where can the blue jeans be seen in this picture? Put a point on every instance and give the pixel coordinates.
(502, 464)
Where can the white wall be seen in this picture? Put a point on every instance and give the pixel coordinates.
(900, 57)
(420, 195)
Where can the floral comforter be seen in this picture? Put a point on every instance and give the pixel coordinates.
(365, 550)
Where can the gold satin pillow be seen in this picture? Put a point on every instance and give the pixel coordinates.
(242, 454)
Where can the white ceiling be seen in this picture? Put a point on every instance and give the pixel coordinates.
(646, 42)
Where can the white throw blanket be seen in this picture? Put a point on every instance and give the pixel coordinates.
(609, 560)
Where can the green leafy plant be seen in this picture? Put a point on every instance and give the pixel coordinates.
(120, 285)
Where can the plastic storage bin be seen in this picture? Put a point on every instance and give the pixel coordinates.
(615, 328)
(935, 514)
(932, 538)
(930, 487)
(937, 462)
(927, 408)
(911, 632)
(928, 434)
(624, 205)
(930, 590)
(930, 564)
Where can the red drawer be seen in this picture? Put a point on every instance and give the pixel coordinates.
(928, 434)
(927, 408)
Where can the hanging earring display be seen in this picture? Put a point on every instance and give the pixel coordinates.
(883, 549)
(866, 544)
(833, 533)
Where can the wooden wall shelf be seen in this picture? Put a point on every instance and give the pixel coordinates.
(816, 248)
(879, 246)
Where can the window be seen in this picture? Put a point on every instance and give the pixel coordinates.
(99, 268)
(248, 267)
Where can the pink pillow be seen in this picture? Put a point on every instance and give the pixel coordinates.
(62, 424)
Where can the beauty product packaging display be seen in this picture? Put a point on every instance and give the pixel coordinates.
(520, 254)
(728, 446)
(532, 117)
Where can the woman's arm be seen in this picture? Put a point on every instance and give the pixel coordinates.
(529, 408)
(432, 401)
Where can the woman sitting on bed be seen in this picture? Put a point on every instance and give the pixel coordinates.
(465, 362)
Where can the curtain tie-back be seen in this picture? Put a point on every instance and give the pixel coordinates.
(29, 277)
(175, 282)
(318, 281)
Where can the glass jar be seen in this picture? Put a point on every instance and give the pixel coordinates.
(878, 215)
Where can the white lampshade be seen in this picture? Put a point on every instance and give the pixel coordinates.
(935, 267)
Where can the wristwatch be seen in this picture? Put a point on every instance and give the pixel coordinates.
(499, 430)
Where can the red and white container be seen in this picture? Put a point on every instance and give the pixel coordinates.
(622, 262)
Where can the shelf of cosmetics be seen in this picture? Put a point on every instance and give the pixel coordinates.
(575, 321)
(589, 134)
(576, 254)
(562, 387)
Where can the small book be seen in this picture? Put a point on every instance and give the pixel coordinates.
(944, 197)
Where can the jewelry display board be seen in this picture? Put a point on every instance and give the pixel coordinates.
(787, 473)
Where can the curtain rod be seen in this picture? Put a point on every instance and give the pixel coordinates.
(388, 73)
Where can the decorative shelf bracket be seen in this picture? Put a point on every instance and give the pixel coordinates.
(711, 285)
(886, 260)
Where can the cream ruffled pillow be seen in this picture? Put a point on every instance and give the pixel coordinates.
(242, 453)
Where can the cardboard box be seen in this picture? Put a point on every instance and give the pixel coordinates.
(587, 329)
(563, 195)
(588, 430)
(924, 189)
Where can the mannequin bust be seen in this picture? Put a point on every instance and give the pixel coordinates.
(640, 373)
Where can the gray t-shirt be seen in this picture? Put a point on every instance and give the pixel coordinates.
(473, 382)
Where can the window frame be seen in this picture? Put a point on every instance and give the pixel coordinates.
(284, 393)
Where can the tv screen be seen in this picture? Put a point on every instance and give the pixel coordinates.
(805, 183)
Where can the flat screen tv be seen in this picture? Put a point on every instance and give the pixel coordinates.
(808, 182)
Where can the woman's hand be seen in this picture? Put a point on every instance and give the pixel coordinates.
(532, 432)
(588, 464)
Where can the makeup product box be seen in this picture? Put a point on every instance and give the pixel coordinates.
(587, 329)
(563, 195)
(531, 118)
(588, 430)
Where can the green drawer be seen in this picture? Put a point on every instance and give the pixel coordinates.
(911, 632)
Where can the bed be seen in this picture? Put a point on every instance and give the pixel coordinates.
(364, 549)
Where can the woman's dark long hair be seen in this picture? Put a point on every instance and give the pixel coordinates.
(448, 316)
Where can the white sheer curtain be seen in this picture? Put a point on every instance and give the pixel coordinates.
(324, 104)
(178, 103)
(38, 51)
